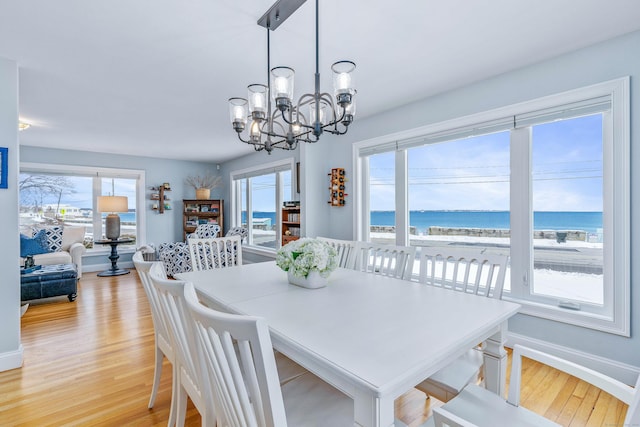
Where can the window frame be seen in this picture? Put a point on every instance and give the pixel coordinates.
(101, 172)
(235, 191)
(616, 203)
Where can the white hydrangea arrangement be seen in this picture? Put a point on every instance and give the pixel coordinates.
(304, 255)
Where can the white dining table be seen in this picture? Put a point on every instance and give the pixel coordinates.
(370, 336)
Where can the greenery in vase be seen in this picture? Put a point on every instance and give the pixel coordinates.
(305, 255)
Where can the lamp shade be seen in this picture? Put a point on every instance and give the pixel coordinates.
(113, 204)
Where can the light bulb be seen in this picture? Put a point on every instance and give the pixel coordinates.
(281, 87)
(238, 113)
(343, 82)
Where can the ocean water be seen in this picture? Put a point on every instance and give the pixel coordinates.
(589, 222)
(422, 220)
(125, 216)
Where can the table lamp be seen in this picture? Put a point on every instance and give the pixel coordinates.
(112, 204)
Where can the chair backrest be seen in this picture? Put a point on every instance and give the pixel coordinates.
(623, 392)
(205, 231)
(386, 260)
(238, 366)
(207, 254)
(159, 326)
(344, 248)
(174, 311)
(627, 394)
(463, 270)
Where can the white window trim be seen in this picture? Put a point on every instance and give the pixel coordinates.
(138, 175)
(236, 203)
(617, 195)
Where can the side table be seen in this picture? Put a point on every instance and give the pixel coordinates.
(114, 270)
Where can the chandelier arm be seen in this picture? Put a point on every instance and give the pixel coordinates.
(267, 124)
(336, 131)
(248, 141)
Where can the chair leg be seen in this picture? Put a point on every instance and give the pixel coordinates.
(174, 395)
(157, 372)
(181, 407)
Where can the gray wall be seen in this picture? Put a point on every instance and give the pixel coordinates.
(598, 63)
(595, 64)
(10, 347)
(166, 227)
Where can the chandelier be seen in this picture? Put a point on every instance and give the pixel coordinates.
(288, 124)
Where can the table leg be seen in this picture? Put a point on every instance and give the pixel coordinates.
(370, 411)
(495, 361)
(114, 270)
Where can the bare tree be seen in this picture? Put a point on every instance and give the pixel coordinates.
(35, 188)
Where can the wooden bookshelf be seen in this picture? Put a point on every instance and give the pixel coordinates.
(201, 211)
(290, 224)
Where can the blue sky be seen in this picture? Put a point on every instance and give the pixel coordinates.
(81, 198)
(473, 173)
(467, 174)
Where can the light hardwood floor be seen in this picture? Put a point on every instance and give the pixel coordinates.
(90, 363)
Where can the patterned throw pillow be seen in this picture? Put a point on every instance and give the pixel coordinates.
(175, 257)
(35, 245)
(54, 237)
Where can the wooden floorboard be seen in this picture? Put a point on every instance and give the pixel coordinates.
(90, 363)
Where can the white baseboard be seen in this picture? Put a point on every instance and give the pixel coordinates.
(11, 359)
(623, 372)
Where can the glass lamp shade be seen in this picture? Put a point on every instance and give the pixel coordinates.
(238, 110)
(343, 81)
(113, 204)
(282, 82)
(257, 98)
(318, 117)
(351, 108)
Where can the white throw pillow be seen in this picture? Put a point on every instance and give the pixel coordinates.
(72, 235)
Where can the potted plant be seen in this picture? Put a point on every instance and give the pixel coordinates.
(308, 262)
(203, 184)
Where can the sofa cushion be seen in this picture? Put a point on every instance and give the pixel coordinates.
(51, 258)
(71, 235)
(34, 245)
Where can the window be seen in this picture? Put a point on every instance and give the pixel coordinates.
(382, 199)
(546, 181)
(460, 188)
(568, 203)
(67, 195)
(258, 194)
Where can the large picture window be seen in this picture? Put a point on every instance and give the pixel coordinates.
(257, 195)
(67, 195)
(545, 181)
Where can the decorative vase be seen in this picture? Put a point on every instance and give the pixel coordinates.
(203, 193)
(313, 280)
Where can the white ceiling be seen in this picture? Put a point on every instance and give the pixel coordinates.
(152, 77)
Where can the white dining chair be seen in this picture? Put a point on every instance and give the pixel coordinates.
(163, 346)
(344, 248)
(386, 260)
(241, 378)
(187, 379)
(472, 272)
(210, 253)
(476, 406)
